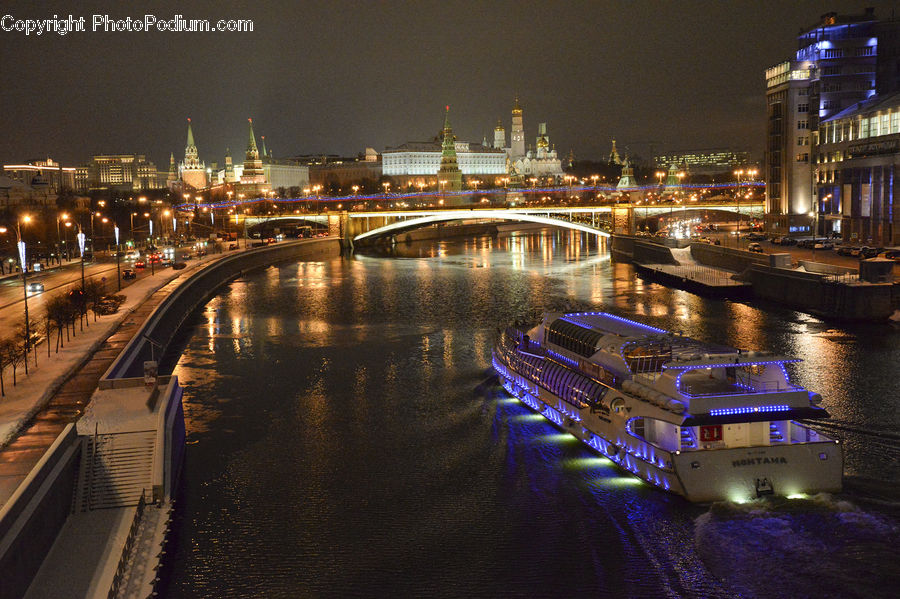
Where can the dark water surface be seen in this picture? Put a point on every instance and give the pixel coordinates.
(344, 442)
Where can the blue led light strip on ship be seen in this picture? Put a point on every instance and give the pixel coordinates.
(749, 410)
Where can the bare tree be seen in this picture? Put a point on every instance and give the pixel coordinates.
(14, 353)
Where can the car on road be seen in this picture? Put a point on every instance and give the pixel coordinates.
(35, 287)
(129, 274)
(140, 263)
(756, 237)
(755, 247)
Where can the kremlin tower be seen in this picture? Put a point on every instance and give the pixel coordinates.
(449, 171)
(193, 172)
(253, 167)
(229, 167)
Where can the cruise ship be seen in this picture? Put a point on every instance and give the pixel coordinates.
(710, 423)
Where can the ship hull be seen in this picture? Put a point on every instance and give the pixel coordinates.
(707, 475)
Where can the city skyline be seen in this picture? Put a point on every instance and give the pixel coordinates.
(320, 78)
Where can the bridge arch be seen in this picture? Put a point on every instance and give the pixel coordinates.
(506, 215)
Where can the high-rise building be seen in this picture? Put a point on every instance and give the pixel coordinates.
(833, 69)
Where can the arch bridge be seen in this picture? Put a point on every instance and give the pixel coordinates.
(603, 220)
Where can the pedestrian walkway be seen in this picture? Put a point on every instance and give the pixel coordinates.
(19, 456)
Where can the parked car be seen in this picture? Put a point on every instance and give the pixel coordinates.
(129, 274)
(756, 237)
(788, 241)
(869, 252)
(847, 250)
(35, 287)
(178, 266)
(232, 246)
(755, 247)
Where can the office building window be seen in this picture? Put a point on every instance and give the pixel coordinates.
(802, 124)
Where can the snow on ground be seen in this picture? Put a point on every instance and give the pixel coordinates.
(34, 391)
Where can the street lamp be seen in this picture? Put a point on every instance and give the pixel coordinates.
(58, 237)
(81, 244)
(118, 269)
(23, 264)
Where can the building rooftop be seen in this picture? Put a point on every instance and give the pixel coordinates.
(435, 146)
(872, 104)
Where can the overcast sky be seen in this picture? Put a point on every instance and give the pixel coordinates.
(337, 76)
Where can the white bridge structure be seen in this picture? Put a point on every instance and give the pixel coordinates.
(602, 220)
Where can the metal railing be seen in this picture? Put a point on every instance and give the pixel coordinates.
(119, 578)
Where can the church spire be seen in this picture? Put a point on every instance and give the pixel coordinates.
(263, 149)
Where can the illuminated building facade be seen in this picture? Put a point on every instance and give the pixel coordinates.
(126, 172)
(705, 162)
(858, 172)
(52, 173)
(834, 68)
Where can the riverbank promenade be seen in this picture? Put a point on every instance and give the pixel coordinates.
(36, 410)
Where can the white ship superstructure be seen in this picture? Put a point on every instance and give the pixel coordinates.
(706, 422)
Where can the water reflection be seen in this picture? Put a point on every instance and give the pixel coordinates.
(344, 440)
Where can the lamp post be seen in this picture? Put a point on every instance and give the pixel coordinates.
(738, 174)
(118, 269)
(23, 264)
(81, 244)
(58, 239)
(67, 225)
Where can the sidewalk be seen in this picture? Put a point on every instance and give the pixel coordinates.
(57, 392)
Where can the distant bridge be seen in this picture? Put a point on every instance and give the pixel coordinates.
(601, 220)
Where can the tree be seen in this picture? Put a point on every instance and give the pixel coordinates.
(93, 293)
(13, 354)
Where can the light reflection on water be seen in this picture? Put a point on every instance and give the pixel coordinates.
(339, 446)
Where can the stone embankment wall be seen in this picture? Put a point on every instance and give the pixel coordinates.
(814, 293)
(152, 341)
(640, 250)
(31, 519)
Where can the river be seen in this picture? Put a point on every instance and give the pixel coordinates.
(345, 440)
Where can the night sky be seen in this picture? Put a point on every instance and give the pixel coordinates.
(336, 76)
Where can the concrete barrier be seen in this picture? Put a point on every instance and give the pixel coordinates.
(728, 258)
(154, 337)
(33, 516)
(826, 269)
(648, 252)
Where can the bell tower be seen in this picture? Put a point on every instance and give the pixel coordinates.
(517, 133)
